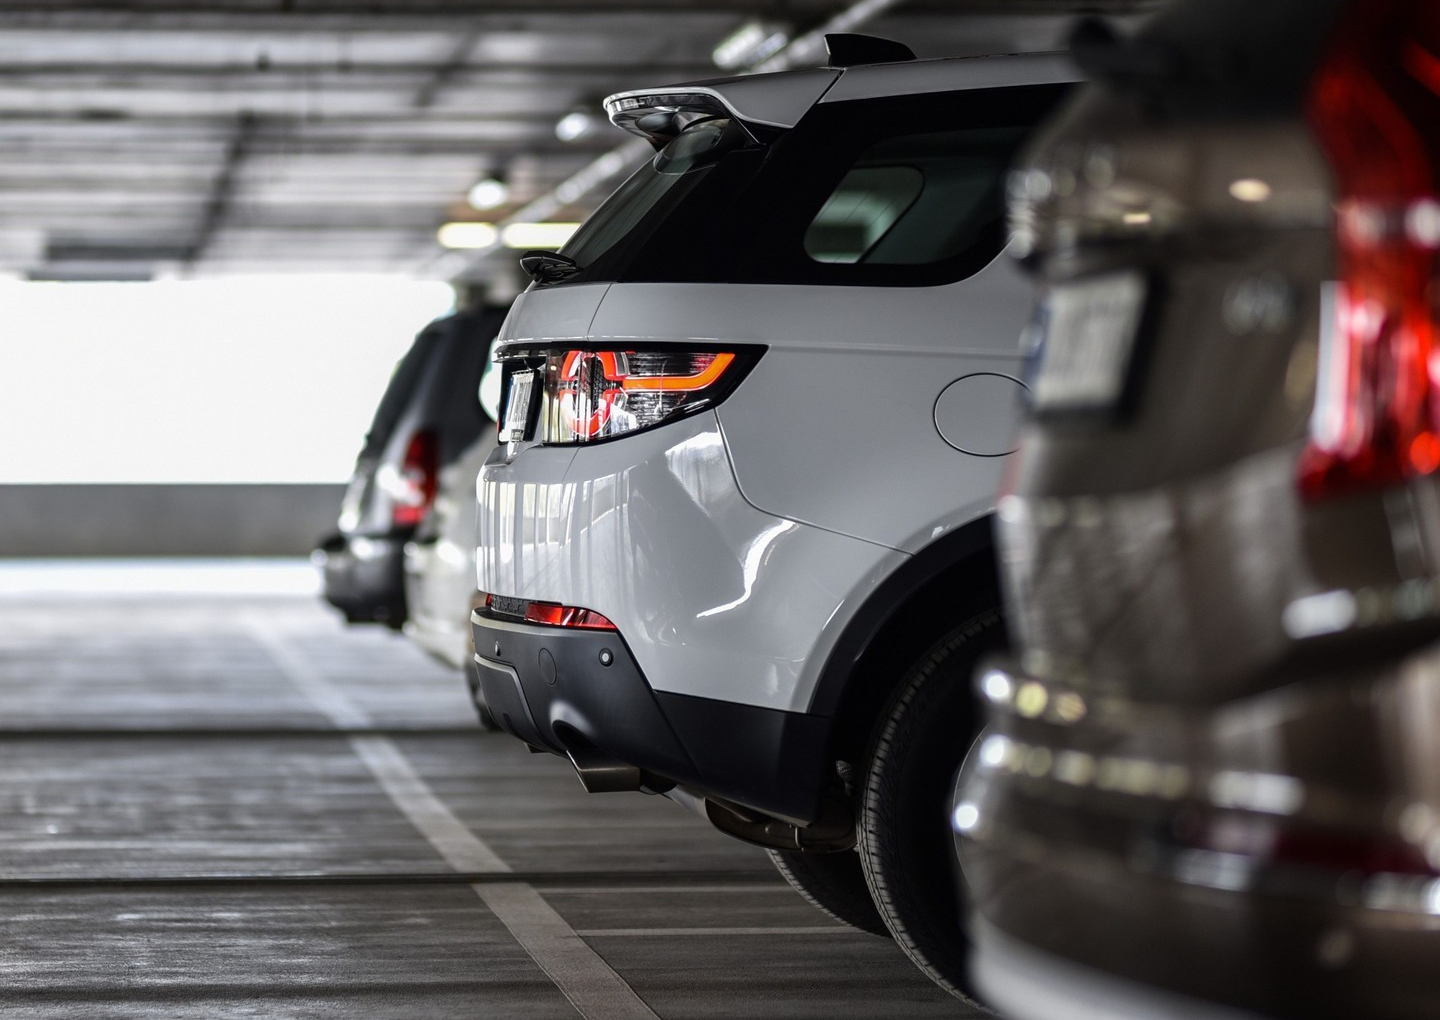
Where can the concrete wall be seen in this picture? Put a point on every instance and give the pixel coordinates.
(165, 520)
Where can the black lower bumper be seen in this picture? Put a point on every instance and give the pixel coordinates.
(571, 691)
(365, 576)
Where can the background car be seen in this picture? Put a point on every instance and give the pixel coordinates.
(1211, 768)
(736, 539)
(427, 417)
(440, 570)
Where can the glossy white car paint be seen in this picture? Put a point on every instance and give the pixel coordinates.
(836, 426)
(440, 575)
(713, 597)
(731, 548)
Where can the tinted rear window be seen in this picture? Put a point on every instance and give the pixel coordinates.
(403, 384)
(902, 191)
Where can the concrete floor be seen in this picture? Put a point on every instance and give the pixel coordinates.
(218, 801)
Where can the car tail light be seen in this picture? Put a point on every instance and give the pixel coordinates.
(551, 614)
(412, 489)
(595, 394)
(1374, 106)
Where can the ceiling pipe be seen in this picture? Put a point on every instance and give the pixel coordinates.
(804, 50)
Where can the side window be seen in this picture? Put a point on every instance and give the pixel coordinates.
(900, 191)
(860, 211)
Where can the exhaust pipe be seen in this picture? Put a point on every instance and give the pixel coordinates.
(833, 831)
(600, 773)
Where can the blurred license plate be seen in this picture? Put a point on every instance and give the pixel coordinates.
(1089, 339)
(517, 407)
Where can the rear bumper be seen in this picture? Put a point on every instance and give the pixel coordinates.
(1276, 854)
(572, 691)
(364, 576)
(439, 590)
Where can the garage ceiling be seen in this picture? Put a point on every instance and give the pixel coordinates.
(225, 136)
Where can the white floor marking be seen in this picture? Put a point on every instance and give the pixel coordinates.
(461, 848)
(817, 929)
(593, 988)
(778, 886)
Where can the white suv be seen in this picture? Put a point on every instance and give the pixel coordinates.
(735, 542)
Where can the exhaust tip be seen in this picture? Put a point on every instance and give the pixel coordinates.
(600, 773)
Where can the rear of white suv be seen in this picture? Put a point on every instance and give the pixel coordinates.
(735, 540)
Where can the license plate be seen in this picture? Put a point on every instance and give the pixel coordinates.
(1088, 342)
(517, 407)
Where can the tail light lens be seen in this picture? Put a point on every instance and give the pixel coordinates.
(551, 614)
(412, 489)
(1375, 110)
(592, 394)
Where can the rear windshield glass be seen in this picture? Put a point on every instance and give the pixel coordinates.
(403, 384)
(658, 187)
(901, 191)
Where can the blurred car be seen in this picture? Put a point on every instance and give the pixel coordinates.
(736, 541)
(427, 416)
(440, 570)
(1209, 786)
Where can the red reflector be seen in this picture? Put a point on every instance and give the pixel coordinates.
(550, 614)
(1374, 111)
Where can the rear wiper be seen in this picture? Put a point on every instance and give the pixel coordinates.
(549, 266)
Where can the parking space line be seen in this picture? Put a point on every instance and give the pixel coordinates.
(461, 848)
(595, 990)
(814, 929)
(727, 889)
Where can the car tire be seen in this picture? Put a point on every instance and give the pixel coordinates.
(835, 884)
(905, 845)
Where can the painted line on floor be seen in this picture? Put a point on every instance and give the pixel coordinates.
(595, 990)
(620, 888)
(816, 929)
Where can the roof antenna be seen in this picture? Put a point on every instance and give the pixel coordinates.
(846, 49)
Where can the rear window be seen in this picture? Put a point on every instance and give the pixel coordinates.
(901, 191)
(402, 386)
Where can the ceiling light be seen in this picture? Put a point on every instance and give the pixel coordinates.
(537, 235)
(468, 235)
(489, 193)
(1249, 189)
(575, 125)
(749, 44)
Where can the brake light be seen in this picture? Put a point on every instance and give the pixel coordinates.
(600, 394)
(414, 488)
(1374, 106)
(550, 614)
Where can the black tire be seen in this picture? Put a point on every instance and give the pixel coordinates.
(833, 883)
(905, 845)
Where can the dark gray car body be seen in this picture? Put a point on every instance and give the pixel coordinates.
(1212, 772)
(435, 388)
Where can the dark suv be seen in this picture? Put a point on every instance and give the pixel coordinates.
(1213, 768)
(429, 414)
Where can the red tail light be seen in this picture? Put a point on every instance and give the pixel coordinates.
(551, 614)
(1375, 109)
(419, 479)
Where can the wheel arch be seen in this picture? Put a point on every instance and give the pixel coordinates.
(905, 614)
